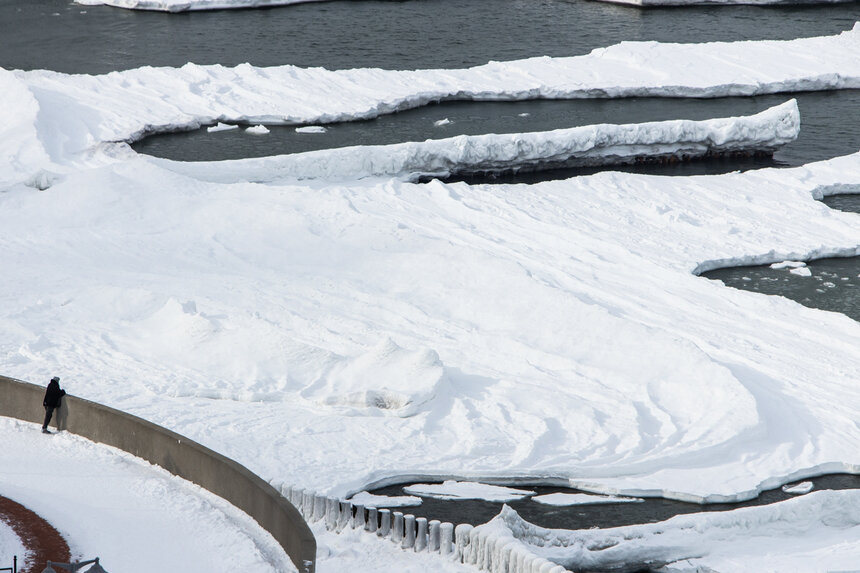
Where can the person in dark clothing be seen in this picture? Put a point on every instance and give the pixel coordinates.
(53, 396)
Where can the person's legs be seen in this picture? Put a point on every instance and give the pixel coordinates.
(48, 413)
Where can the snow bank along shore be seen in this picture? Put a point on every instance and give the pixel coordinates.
(190, 5)
(602, 144)
(71, 117)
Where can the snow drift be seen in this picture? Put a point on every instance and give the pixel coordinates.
(602, 144)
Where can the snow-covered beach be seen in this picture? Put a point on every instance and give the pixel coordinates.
(334, 334)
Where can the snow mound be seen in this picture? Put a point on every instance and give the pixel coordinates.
(453, 489)
(602, 144)
(22, 155)
(257, 130)
(710, 539)
(387, 377)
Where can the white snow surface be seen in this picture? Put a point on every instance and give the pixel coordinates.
(99, 498)
(79, 114)
(452, 489)
(221, 127)
(801, 488)
(564, 499)
(817, 532)
(602, 144)
(554, 331)
(11, 546)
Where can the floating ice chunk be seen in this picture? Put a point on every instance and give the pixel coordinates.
(441, 122)
(788, 265)
(562, 499)
(368, 499)
(798, 488)
(311, 129)
(468, 490)
(801, 271)
(524, 114)
(221, 127)
(257, 130)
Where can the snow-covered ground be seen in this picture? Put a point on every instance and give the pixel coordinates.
(335, 334)
(10, 547)
(134, 516)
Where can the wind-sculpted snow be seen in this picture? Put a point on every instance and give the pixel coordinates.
(817, 532)
(602, 144)
(79, 113)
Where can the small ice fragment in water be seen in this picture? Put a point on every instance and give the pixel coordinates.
(788, 265)
(526, 114)
(368, 499)
(441, 122)
(801, 271)
(567, 499)
(311, 129)
(221, 127)
(257, 130)
(799, 488)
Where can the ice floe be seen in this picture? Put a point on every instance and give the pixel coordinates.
(453, 489)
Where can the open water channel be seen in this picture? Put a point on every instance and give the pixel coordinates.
(66, 37)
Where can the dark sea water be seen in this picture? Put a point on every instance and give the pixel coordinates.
(476, 512)
(66, 37)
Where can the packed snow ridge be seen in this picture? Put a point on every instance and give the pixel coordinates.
(602, 144)
(125, 106)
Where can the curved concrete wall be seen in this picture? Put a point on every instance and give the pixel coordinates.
(175, 453)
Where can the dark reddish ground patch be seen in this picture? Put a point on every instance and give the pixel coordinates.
(38, 536)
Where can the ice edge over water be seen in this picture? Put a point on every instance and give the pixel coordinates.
(603, 144)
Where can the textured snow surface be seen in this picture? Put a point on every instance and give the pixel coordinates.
(99, 498)
(452, 489)
(602, 144)
(817, 532)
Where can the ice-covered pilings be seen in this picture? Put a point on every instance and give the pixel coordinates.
(485, 548)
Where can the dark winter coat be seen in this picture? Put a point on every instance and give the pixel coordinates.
(53, 395)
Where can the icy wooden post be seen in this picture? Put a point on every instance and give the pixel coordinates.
(307, 505)
(384, 523)
(331, 506)
(296, 498)
(372, 520)
(409, 532)
(446, 538)
(319, 508)
(421, 534)
(397, 530)
(433, 539)
(345, 515)
(359, 522)
(461, 539)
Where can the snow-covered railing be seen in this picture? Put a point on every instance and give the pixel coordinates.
(482, 547)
